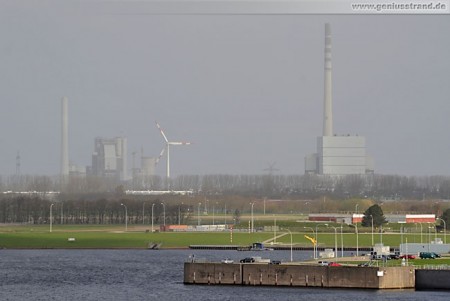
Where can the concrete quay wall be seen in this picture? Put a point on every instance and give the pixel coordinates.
(212, 273)
(432, 279)
(300, 275)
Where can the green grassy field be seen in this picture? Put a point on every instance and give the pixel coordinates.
(114, 236)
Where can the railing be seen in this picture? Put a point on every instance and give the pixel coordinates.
(432, 267)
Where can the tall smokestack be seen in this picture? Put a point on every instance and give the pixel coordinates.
(64, 138)
(328, 106)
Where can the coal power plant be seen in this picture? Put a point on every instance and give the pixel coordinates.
(336, 154)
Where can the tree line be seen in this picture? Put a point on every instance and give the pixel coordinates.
(269, 185)
(36, 210)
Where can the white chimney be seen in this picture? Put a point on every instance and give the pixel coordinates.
(328, 105)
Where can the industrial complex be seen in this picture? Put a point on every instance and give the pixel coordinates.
(336, 155)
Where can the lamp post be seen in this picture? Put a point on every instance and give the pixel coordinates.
(252, 216)
(179, 213)
(421, 233)
(153, 205)
(291, 242)
(225, 214)
(164, 215)
(317, 239)
(214, 209)
(342, 243)
(372, 228)
(274, 229)
(381, 233)
(356, 229)
(335, 241)
(126, 217)
(198, 214)
(51, 217)
(429, 237)
(314, 245)
(445, 229)
(143, 213)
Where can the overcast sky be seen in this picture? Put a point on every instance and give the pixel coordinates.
(246, 90)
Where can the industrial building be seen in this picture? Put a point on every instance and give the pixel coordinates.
(110, 158)
(352, 218)
(336, 154)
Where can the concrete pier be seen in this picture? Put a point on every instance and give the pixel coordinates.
(299, 275)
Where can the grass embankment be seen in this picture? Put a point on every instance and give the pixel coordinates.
(114, 236)
(101, 237)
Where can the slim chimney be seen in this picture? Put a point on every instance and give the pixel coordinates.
(64, 139)
(328, 106)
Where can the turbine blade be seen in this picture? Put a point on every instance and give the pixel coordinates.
(162, 132)
(160, 156)
(179, 143)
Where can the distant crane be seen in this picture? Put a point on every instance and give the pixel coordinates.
(18, 164)
(271, 168)
(167, 147)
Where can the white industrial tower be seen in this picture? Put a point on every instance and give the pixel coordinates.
(336, 155)
(327, 104)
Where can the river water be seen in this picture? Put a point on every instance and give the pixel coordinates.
(152, 275)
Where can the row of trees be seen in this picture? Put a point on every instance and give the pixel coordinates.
(107, 209)
(304, 186)
(36, 210)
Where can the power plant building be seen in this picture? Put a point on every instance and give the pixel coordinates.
(110, 158)
(336, 155)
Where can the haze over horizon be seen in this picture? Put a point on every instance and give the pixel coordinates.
(245, 90)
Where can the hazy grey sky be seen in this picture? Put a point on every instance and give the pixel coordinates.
(246, 90)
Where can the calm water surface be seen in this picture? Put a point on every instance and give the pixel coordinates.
(151, 275)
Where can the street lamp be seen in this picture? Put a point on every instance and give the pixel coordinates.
(381, 233)
(420, 230)
(356, 229)
(143, 213)
(153, 205)
(214, 209)
(198, 214)
(126, 217)
(372, 228)
(179, 213)
(317, 241)
(357, 240)
(342, 243)
(164, 215)
(62, 213)
(225, 214)
(51, 217)
(335, 241)
(314, 245)
(291, 242)
(429, 237)
(274, 229)
(445, 229)
(252, 216)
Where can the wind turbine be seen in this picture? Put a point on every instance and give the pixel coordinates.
(168, 144)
